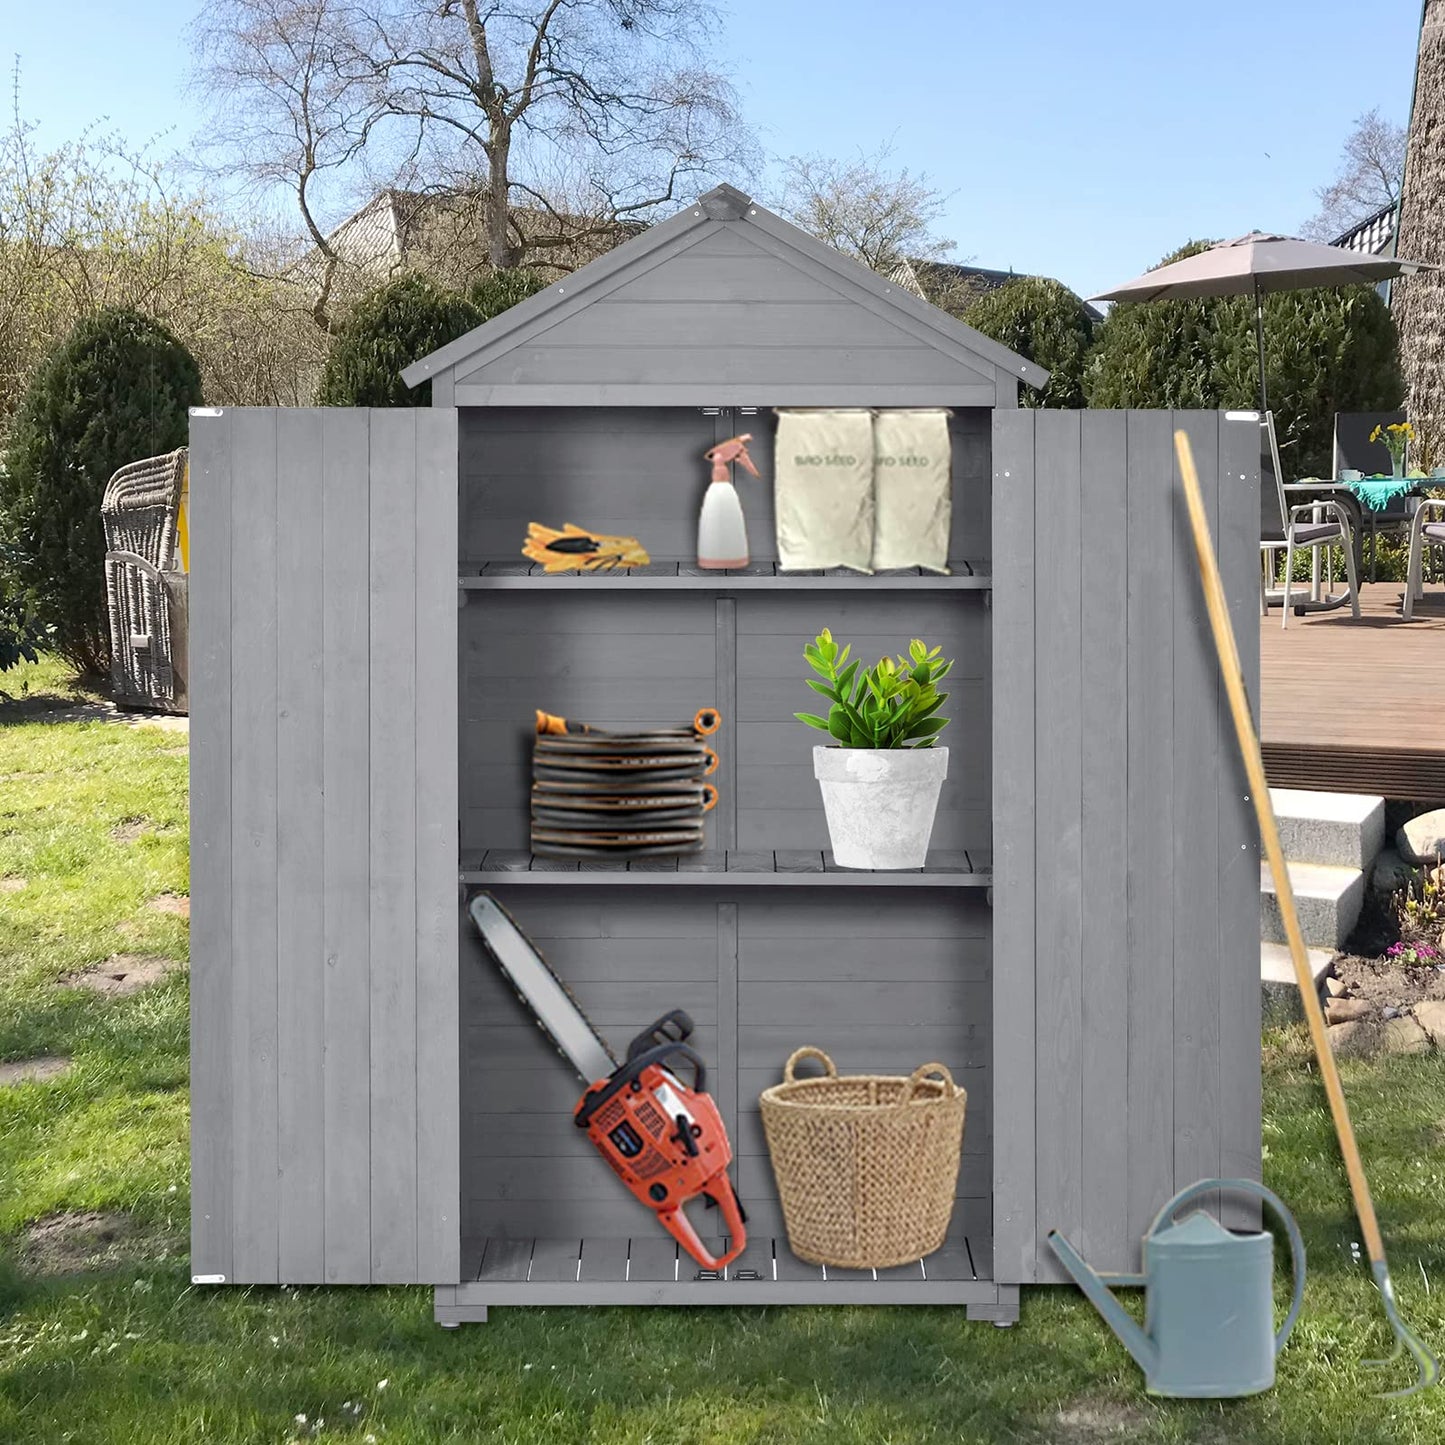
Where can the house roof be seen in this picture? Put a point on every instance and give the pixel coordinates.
(736, 227)
(1375, 234)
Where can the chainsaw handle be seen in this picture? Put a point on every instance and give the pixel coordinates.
(679, 1226)
(631, 1069)
(672, 1028)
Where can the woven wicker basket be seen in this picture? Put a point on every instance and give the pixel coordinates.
(866, 1164)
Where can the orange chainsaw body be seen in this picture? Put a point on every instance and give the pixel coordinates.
(666, 1142)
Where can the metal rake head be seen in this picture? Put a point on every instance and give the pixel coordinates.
(1406, 1342)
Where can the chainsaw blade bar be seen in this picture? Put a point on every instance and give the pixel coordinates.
(550, 1001)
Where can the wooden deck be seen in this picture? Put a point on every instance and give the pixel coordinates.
(1357, 706)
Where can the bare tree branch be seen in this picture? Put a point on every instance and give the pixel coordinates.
(1369, 177)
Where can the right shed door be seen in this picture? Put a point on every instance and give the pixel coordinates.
(1126, 857)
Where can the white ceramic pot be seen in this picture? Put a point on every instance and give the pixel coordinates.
(880, 802)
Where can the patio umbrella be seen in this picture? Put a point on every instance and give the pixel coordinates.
(1256, 264)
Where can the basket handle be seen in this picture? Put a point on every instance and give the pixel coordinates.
(808, 1052)
(920, 1074)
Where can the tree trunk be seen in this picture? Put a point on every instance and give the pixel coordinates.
(1419, 301)
(502, 251)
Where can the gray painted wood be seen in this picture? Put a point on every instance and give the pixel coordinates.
(346, 854)
(1239, 997)
(724, 742)
(300, 835)
(254, 644)
(393, 818)
(438, 1202)
(1151, 820)
(1198, 972)
(327, 910)
(210, 835)
(1134, 887)
(1104, 1000)
(1058, 815)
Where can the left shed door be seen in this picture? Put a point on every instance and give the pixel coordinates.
(324, 1102)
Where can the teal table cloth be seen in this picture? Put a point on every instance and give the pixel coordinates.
(1377, 492)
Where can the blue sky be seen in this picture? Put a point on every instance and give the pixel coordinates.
(1079, 140)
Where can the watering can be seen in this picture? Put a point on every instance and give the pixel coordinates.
(1209, 1308)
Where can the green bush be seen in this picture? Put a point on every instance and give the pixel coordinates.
(21, 635)
(116, 390)
(1044, 321)
(385, 332)
(498, 291)
(1326, 350)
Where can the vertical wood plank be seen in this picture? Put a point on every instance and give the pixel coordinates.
(1151, 820)
(210, 832)
(1104, 619)
(392, 910)
(438, 1137)
(725, 740)
(1196, 827)
(253, 841)
(727, 1018)
(299, 847)
(1014, 862)
(1058, 824)
(345, 864)
(1237, 544)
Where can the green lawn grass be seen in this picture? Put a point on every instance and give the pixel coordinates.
(132, 1354)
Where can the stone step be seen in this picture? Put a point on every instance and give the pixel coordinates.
(1345, 830)
(1327, 899)
(1279, 993)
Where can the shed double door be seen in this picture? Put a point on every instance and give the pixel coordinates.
(323, 846)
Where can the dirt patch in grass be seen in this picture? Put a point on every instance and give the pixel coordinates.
(36, 1070)
(122, 974)
(85, 1239)
(177, 903)
(1382, 984)
(12, 885)
(129, 829)
(1087, 1421)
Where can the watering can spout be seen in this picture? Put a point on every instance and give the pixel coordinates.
(1115, 1316)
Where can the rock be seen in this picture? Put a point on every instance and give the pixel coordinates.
(1422, 839)
(1346, 1010)
(1334, 987)
(1389, 1013)
(1431, 1017)
(1390, 873)
(1405, 1036)
(1358, 1037)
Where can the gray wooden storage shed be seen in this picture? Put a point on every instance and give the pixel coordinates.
(370, 1104)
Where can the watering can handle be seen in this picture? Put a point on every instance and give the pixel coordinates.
(1277, 1205)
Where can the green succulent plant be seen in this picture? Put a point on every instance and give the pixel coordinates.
(893, 704)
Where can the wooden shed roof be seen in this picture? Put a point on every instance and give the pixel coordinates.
(724, 303)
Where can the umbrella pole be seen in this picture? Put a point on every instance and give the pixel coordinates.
(1259, 343)
(1228, 655)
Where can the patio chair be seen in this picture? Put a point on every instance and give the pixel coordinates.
(1353, 448)
(1316, 523)
(1423, 533)
(145, 595)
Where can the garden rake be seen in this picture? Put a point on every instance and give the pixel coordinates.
(1228, 655)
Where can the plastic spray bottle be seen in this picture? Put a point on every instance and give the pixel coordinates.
(722, 531)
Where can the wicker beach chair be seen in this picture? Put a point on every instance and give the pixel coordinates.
(145, 593)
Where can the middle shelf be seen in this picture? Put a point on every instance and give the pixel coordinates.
(510, 575)
(781, 868)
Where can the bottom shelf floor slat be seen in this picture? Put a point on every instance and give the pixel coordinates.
(650, 1270)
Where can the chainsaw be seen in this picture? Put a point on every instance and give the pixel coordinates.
(663, 1138)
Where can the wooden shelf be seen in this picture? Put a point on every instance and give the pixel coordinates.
(785, 868)
(670, 576)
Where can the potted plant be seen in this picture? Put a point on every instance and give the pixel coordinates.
(881, 779)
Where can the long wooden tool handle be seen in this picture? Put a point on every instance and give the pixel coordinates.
(1269, 834)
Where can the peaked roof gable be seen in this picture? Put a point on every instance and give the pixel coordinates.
(724, 206)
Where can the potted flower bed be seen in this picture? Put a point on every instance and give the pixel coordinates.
(881, 777)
